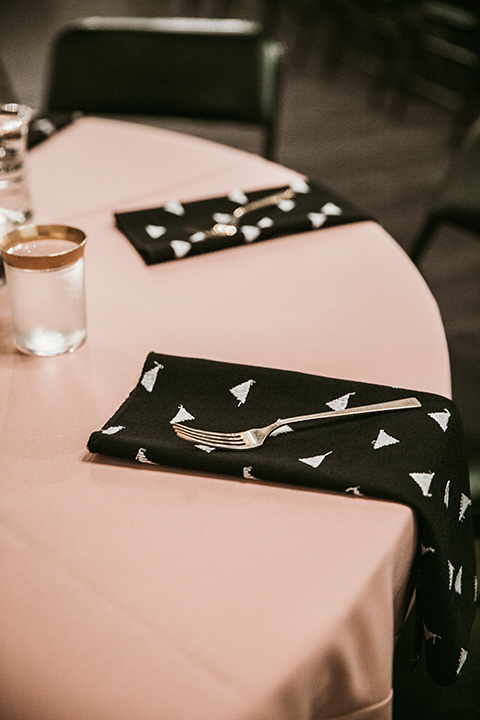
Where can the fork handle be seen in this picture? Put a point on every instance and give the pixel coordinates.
(263, 202)
(402, 404)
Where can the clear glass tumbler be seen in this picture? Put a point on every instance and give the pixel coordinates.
(15, 207)
(44, 267)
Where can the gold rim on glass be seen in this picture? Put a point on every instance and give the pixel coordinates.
(27, 233)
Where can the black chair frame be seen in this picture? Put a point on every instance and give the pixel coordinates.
(215, 69)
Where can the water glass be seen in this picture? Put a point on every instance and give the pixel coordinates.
(44, 267)
(15, 207)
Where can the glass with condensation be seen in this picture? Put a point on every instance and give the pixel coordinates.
(15, 206)
(44, 268)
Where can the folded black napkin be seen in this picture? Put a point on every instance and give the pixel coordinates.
(413, 457)
(45, 125)
(175, 230)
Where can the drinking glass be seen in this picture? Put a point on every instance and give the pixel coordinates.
(44, 267)
(15, 207)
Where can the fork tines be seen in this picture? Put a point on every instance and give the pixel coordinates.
(207, 437)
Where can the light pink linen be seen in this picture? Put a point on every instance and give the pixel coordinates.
(131, 591)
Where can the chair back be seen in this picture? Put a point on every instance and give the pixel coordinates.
(457, 197)
(216, 69)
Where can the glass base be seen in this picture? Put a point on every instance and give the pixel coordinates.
(51, 344)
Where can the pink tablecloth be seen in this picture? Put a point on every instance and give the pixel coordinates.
(129, 591)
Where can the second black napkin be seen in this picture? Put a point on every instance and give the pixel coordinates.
(177, 230)
(413, 457)
(46, 125)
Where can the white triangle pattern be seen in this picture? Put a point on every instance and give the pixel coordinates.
(45, 126)
(112, 430)
(182, 415)
(457, 585)
(180, 247)
(465, 503)
(458, 582)
(341, 402)
(250, 232)
(237, 196)
(441, 418)
(461, 660)
(451, 572)
(265, 222)
(175, 207)
(197, 237)
(331, 209)
(205, 448)
(446, 494)
(424, 481)
(315, 460)
(354, 490)
(223, 218)
(300, 186)
(150, 377)
(281, 430)
(426, 550)
(384, 439)
(241, 391)
(155, 231)
(141, 457)
(247, 473)
(317, 219)
(286, 205)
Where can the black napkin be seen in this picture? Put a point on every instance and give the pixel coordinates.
(174, 230)
(413, 457)
(47, 124)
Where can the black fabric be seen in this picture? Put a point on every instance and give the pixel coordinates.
(46, 125)
(174, 230)
(413, 457)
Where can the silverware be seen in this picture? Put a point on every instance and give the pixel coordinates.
(231, 228)
(256, 436)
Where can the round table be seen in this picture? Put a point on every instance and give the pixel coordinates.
(132, 591)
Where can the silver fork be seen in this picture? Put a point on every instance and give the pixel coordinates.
(230, 229)
(254, 437)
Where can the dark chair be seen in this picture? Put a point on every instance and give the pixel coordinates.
(474, 458)
(444, 52)
(374, 29)
(457, 200)
(211, 69)
(367, 33)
